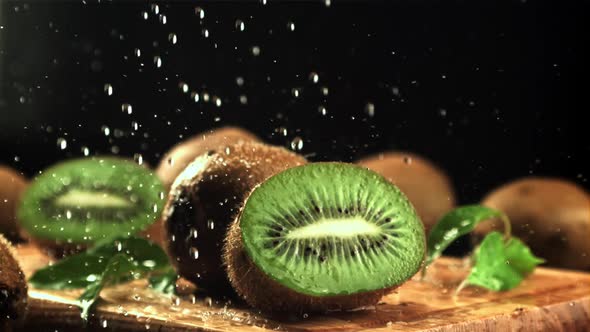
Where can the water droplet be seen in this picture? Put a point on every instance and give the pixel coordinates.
(162, 18)
(172, 38)
(325, 91)
(155, 9)
(62, 143)
(296, 92)
(183, 87)
(205, 33)
(145, 15)
(217, 101)
(137, 52)
(134, 125)
(127, 108)
(322, 110)
(239, 81)
(68, 214)
(108, 89)
(104, 323)
(240, 26)
(282, 130)
(158, 61)
(85, 151)
(291, 26)
(255, 50)
(314, 77)
(200, 12)
(305, 315)
(22, 99)
(243, 99)
(209, 301)
(138, 159)
(395, 91)
(370, 109)
(297, 144)
(194, 252)
(442, 112)
(195, 96)
(210, 224)
(407, 160)
(328, 3)
(193, 232)
(105, 130)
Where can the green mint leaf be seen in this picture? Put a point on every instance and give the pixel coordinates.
(455, 224)
(164, 282)
(117, 268)
(82, 270)
(501, 265)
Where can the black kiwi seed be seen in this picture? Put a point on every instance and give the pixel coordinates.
(204, 183)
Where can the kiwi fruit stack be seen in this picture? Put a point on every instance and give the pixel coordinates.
(75, 203)
(12, 185)
(323, 236)
(13, 286)
(551, 215)
(205, 199)
(426, 185)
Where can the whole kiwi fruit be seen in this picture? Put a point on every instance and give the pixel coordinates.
(550, 215)
(13, 286)
(178, 157)
(205, 199)
(75, 203)
(12, 185)
(323, 236)
(426, 185)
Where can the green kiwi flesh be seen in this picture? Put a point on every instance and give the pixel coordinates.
(327, 230)
(13, 288)
(85, 200)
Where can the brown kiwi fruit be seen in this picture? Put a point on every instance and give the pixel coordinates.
(551, 215)
(12, 185)
(426, 185)
(177, 158)
(13, 286)
(205, 199)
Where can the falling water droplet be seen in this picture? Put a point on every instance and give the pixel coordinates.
(328, 3)
(297, 144)
(85, 151)
(210, 224)
(62, 143)
(195, 96)
(105, 130)
(243, 99)
(370, 109)
(325, 90)
(322, 110)
(138, 158)
(145, 15)
(255, 50)
(239, 81)
(200, 12)
(158, 61)
(127, 108)
(172, 38)
(162, 18)
(194, 252)
(137, 52)
(108, 89)
(205, 33)
(291, 26)
(156, 9)
(183, 87)
(314, 77)
(240, 26)
(296, 92)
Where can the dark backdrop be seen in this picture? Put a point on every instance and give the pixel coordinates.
(489, 90)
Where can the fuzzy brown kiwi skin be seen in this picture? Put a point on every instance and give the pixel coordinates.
(267, 295)
(12, 186)
(550, 215)
(185, 152)
(195, 199)
(427, 186)
(13, 286)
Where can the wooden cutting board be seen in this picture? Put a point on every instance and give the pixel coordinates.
(549, 300)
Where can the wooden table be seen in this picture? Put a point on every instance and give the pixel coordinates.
(549, 300)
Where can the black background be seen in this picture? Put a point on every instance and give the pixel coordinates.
(490, 91)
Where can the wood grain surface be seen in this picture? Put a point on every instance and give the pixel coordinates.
(548, 300)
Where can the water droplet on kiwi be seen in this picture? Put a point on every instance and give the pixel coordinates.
(297, 143)
(108, 89)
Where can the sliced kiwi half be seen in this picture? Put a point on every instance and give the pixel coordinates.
(85, 200)
(323, 236)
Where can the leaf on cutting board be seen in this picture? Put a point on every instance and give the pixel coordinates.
(501, 264)
(455, 224)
